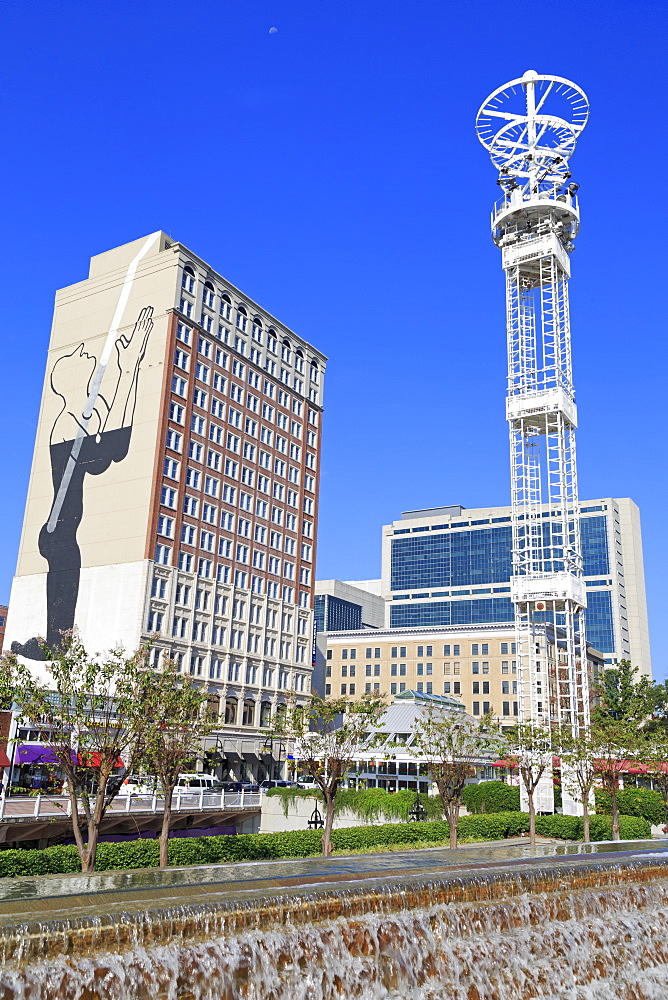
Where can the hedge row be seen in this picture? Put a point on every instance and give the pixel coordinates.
(306, 843)
(491, 797)
(634, 802)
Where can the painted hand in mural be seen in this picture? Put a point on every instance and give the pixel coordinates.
(123, 373)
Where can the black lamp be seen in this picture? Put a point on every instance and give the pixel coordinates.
(417, 813)
(316, 821)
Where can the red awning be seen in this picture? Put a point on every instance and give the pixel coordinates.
(93, 760)
(4, 759)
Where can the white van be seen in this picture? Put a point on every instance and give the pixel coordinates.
(197, 782)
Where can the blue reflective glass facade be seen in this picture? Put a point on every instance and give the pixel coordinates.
(595, 557)
(599, 623)
(452, 613)
(484, 556)
(332, 614)
(460, 559)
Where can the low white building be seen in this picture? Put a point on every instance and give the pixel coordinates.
(399, 766)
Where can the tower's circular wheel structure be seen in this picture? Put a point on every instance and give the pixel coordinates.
(530, 126)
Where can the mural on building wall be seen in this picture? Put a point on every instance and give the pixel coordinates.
(92, 430)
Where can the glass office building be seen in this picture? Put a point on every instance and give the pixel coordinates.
(452, 566)
(332, 614)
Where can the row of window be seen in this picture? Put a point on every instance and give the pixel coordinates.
(209, 295)
(477, 649)
(206, 600)
(219, 383)
(350, 689)
(223, 573)
(242, 346)
(232, 468)
(234, 496)
(219, 635)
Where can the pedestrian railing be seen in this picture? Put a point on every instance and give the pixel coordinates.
(44, 806)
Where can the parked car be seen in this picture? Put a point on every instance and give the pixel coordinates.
(267, 784)
(137, 784)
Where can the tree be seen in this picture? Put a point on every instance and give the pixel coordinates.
(329, 737)
(615, 745)
(578, 771)
(655, 758)
(174, 725)
(622, 698)
(86, 711)
(531, 754)
(451, 743)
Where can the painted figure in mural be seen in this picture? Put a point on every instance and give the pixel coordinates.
(92, 430)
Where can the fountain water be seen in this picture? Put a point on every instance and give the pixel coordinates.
(571, 928)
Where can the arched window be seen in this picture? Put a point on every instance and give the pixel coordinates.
(225, 306)
(257, 329)
(230, 711)
(281, 712)
(299, 360)
(213, 705)
(209, 294)
(249, 713)
(271, 340)
(315, 377)
(265, 713)
(242, 318)
(188, 278)
(286, 352)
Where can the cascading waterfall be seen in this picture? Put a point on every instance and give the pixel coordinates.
(568, 933)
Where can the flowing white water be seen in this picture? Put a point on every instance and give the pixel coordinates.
(557, 935)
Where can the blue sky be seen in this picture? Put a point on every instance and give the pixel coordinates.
(331, 170)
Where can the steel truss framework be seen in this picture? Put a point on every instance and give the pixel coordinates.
(535, 224)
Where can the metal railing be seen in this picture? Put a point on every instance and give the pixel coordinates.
(44, 806)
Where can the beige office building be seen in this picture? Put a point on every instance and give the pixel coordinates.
(475, 665)
(174, 485)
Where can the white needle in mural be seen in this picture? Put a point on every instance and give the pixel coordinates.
(97, 381)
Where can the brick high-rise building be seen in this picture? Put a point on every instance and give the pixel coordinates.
(174, 486)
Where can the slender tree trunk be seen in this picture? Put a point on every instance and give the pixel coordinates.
(615, 813)
(166, 823)
(329, 820)
(452, 814)
(532, 817)
(76, 824)
(585, 818)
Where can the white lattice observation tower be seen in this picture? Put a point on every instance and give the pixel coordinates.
(530, 127)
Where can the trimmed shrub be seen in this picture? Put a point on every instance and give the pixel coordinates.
(634, 802)
(491, 797)
(600, 827)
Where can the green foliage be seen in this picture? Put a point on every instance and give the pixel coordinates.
(308, 843)
(571, 827)
(491, 797)
(622, 698)
(634, 802)
(376, 803)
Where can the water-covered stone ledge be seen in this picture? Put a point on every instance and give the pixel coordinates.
(580, 929)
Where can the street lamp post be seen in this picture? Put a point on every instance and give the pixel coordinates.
(417, 812)
(316, 821)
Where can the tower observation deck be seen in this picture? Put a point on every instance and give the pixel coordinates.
(530, 127)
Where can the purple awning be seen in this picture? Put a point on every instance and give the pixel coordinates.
(36, 753)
